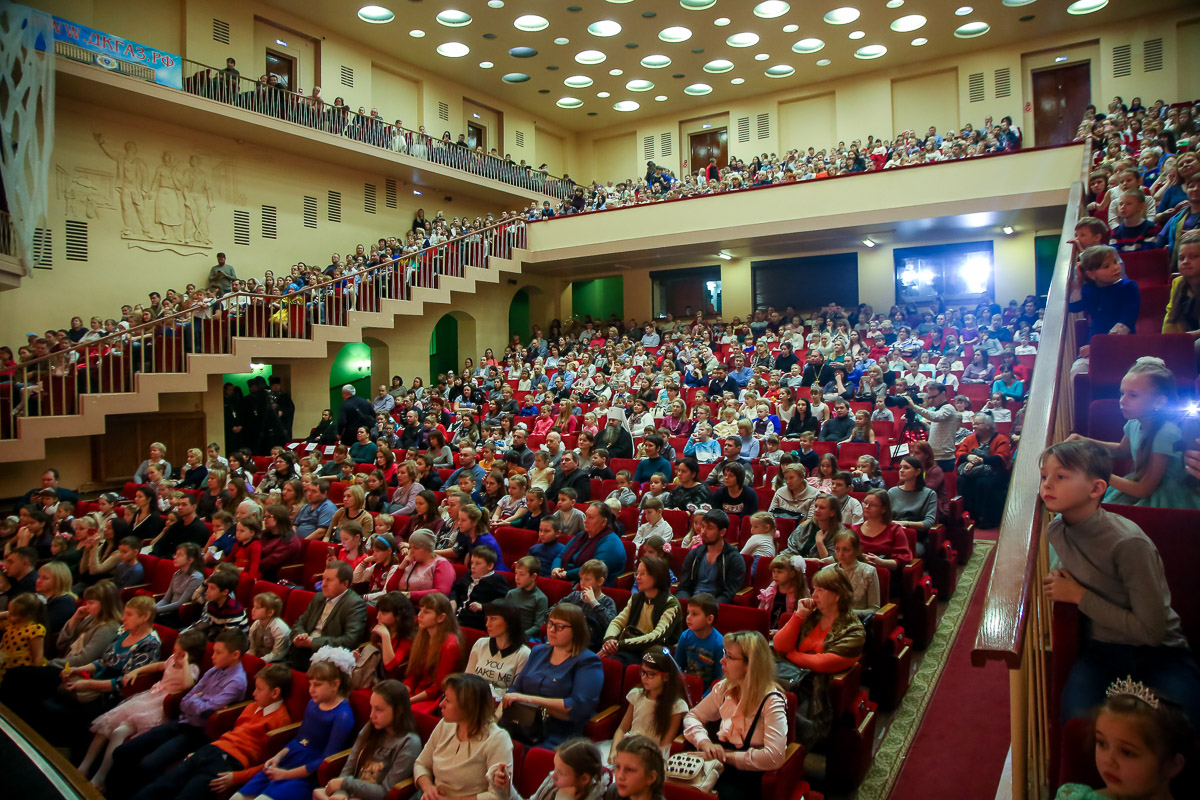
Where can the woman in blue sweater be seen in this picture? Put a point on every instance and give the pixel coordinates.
(596, 540)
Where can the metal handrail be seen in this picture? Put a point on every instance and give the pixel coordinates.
(261, 98)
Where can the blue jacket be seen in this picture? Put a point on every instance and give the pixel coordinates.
(609, 549)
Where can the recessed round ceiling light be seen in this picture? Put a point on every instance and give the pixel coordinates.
(791, 28)
(746, 39)
(962, 11)
(578, 81)
(1086, 6)
(719, 65)
(515, 77)
(658, 98)
(807, 46)
(453, 49)
(590, 57)
(605, 27)
(676, 33)
(417, 33)
(626, 105)
(867, 52)
(721, 22)
(971, 30)
(895, 3)
(856, 34)
(737, 81)
(780, 71)
(569, 102)
(495, 3)
(842, 16)
(522, 52)
(920, 40)
(376, 15)
(531, 22)
(824, 62)
(615, 72)
(602, 95)
(639, 85)
(909, 23)
(656, 61)
(454, 19)
(698, 89)
(761, 57)
(1017, 3)
(486, 65)
(697, 5)
(770, 9)
(562, 40)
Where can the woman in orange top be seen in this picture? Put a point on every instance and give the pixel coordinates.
(822, 638)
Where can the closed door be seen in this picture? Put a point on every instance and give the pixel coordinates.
(282, 67)
(476, 136)
(1060, 95)
(706, 145)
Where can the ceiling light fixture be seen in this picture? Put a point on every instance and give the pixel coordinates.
(626, 105)
(531, 22)
(578, 81)
(744, 39)
(867, 52)
(824, 62)
(697, 89)
(660, 98)
(909, 23)
(770, 9)
(453, 49)
(486, 65)
(605, 27)
(515, 77)
(639, 85)
(562, 40)
(376, 15)
(808, 46)
(971, 30)
(962, 11)
(718, 66)
(856, 34)
(1080, 7)
(616, 72)
(842, 16)
(780, 71)
(895, 3)
(1008, 230)
(1017, 3)
(919, 41)
(417, 33)
(762, 57)
(495, 3)
(453, 19)
(590, 57)
(676, 33)
(569, 102)
(721, 22)
(603, 95)
(656, 61)
(791, 28)
(868, 243)
(697, 5)
(737, 81)
(724, 256)
(418, 194)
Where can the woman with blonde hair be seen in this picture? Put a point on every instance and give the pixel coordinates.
(354, 509)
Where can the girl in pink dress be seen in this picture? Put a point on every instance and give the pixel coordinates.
(144, 710)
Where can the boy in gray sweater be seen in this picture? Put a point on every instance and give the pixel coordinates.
(528, 598)
(598, 607)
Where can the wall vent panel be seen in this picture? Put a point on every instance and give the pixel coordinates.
(665, 145)
(335, 206)
(763, 121)
(1002, 82)
(310, 212)
(220, 31)
(975, 89)
(1152, 55)
(389, 192)
(369, 198)
(76, 234)
(743, 129)
(443, 111)
(1122, 61)
(43, 248)
(348, 76)
(241, 227)
(270, 222)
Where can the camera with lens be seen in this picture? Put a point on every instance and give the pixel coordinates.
(896, 400)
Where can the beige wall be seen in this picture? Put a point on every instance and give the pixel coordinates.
(924, 100)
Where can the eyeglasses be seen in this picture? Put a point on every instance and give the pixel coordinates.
(649, 673)
(557, 626)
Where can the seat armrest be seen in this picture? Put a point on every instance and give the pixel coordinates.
(279, 737)
(222, 720)
(331, 767)
(403, 790)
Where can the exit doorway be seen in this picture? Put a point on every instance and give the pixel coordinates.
(711, 144)
(1060, 95)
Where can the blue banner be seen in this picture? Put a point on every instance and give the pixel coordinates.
(117, 54)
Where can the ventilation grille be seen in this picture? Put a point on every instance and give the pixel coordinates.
(43, 248)
(220, 31)
(763, 122)
(665, 145)
(76, 233)
(975, 87)
(389, 192)
(369, 198)
(310, 212)
(241, 227)
(743, 129)
(1002, 80)
(347, 76)
(270, 222)
(1122, 61)
(443, 111)
(648, 148)
(1152, 55)
(335, 206)
(519, 138)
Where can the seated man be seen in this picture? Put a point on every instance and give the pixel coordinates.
(50, 481)
(716, 567)
(337, 617)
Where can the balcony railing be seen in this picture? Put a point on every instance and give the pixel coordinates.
(1015, 627)
(338, 120)
(52, 384)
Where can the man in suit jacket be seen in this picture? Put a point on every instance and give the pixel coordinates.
(355, 413)
(337, 617)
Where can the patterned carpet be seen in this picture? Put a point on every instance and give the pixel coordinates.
(890, 758)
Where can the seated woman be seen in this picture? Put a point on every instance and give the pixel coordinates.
(158, 456)
(864, 579)
(423, 571)
(811, 539)
(934, 477)
(914, 505)
(363, 451)
(883, 540)
(466, 746)
(194, 473)
(651, 618)
(562, 676)
(742, 721)
(822, 638)
(501, 655)
(283, 469)
(983, 462)
(384, 752)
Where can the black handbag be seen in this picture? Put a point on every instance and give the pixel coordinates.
(525, 722)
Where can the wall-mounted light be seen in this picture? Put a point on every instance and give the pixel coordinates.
(706, 125)
(1059, 59)
(418, 194)
(476, 116)
(868, 243)
(281, 43)
(1008, 230)
(725, 256)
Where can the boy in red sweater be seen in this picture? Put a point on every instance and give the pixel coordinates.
(237, 755)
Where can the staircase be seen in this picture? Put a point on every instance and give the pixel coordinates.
(127, 372)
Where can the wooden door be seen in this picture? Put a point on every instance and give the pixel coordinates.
(1060, 95)
(282, 67)
(476, 136)
(706, 145)
(127, 439)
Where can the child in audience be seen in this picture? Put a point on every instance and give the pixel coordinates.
(656, 708)
(653, 523)
(395, 622)
(701, 647)
(23, 643)
(1141, 742)
(221, 611)
(512, 506)
(1134, 232)
(247, 552)
(821, 478)
(435, 653)
(598, 608)
(600, 470)
(1151, 439)
(144, 710)
(657, 489)
(1129, 184)
(527, 597)
(327, 728)
(375, 572)
(1100, 289)
(350, 549)
(1089, 232)
(1183, 308)
(692, 537)
(1104, 564)
(864, 578)
(479, 586)
(535, 510)
(849, 507)
(788, 587)
(383, 524)
(624, 493)
(653, 546)
(867, 475)
(761, 543)
(542, 474)
(270, 636)
(222, 540)
(570, 518)
(548, 547)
